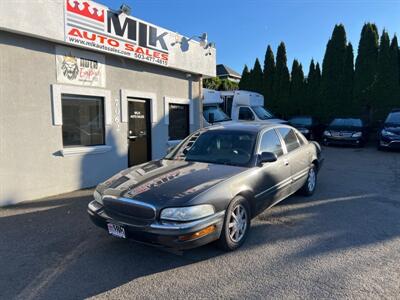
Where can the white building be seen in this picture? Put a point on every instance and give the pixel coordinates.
(86, 91)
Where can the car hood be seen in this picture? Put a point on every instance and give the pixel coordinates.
(167, 182)
(393, 128)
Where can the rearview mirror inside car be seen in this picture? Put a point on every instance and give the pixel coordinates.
(266, 157)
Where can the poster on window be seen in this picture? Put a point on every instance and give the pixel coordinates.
(80, 67)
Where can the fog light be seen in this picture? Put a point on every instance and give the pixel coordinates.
(198, 234)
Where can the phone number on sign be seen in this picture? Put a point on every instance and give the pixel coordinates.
(151, 59)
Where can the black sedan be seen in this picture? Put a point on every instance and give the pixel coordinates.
(309, 126)
(209, 187)
(389, 133)
(346, 131)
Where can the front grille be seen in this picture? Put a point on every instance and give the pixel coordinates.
(129, 208)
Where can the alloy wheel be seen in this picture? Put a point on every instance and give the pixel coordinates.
(238, 223)
(311, 180)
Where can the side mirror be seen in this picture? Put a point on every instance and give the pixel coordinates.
(266, 157)
(211, 118)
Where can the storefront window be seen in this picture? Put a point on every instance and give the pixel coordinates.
(178, 121)
(83, 120)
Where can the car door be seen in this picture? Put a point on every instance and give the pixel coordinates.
(297, 156)
(274, 179)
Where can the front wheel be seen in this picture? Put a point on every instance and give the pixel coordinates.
(236, 224)
(311, 183)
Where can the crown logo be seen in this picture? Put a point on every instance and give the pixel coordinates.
(84, 8)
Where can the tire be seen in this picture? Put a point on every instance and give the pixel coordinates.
(311, 183)
(229, 240)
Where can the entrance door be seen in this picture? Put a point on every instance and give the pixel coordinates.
(139, 131)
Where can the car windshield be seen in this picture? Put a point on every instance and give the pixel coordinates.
(393, 118)
(305, 121)
(228, 147)
(346, 122)
(262, 113)
(219, 115)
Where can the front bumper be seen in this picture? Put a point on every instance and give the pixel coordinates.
(343, 140)
(161, 234)
(387, 142)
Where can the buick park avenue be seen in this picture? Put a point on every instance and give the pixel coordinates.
(209, 187)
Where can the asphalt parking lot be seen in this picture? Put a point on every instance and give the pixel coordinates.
(344, 242)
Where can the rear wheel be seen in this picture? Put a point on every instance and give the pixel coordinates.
(236, 224)
(311, 183)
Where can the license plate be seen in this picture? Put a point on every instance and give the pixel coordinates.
(116, 230)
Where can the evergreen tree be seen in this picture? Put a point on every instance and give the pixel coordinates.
(244, 81)
(332, 92)
(349, 107)
(256, 78)
(385, 88)
(268, 76)
(311, 101)
(297, 90)
(395, 71)
(281, 83)
(366, 66)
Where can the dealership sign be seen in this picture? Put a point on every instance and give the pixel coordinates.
(80, 67)
(91, 25)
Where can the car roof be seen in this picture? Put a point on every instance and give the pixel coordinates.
(246, 126)
(395, 110)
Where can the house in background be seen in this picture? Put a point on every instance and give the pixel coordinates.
(224, 72)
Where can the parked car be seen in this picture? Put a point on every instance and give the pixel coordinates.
(309, 126)
(346, 131)
(389, 132)
(209, 187)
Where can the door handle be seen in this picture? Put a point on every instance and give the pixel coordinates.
(132, 137)
(286, 163)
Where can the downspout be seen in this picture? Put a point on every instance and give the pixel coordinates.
(201, 102)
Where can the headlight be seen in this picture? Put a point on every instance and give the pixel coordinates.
(357, 134)
(97, 196)
(387, 133)
(327, 133)
(188, 213)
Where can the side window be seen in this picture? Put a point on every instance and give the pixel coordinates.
(245, 114)
(270, 142)
(83, 120)
(290, 138)
(178, 127)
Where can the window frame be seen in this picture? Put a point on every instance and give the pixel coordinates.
(56, 91)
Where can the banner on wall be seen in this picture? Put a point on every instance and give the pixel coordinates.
(92, 25)
(80, 67)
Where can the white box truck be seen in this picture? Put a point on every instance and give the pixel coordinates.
(247, 106)
(238, 106)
